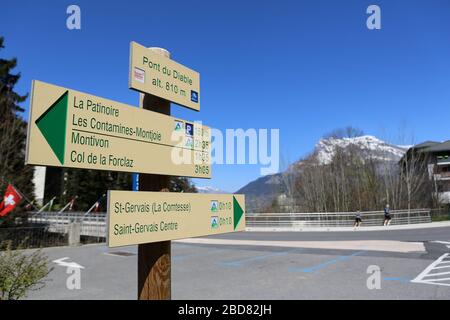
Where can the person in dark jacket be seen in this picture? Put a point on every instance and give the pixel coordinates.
(358, 219)
(387, 216)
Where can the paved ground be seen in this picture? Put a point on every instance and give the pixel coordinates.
(413, 264)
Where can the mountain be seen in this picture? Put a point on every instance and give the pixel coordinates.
(326, 148)
(261, 192)
(209, 189)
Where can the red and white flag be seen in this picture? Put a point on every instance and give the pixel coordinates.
(97, 206)
(71, 203)
(10, 200)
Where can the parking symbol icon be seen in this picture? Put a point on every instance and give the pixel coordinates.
(189, 129)
(194, 96)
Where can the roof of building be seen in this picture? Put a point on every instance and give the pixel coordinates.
(426, 144)
(444, 146)
(429, 147)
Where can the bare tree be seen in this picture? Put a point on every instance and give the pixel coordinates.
(414, 173)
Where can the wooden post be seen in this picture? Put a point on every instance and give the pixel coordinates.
(154, 259)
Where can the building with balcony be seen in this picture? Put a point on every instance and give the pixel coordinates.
(436, 156)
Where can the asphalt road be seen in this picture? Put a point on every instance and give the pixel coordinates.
(429, 234)
(256, 270)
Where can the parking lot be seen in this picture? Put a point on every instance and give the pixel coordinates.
(412, 264)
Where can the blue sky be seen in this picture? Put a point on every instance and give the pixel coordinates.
(304, 67)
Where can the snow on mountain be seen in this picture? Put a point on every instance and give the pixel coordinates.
(209, 189)
(375, 148)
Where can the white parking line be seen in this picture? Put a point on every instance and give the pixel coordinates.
(443, 279)
(442, 242)
(436, 274)
(424, 276)
(443, 267)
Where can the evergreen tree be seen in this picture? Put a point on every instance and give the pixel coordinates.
(13, 130)
(182, 184)
(90, 185)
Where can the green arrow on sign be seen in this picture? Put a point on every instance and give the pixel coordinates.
(237, 212)
(52, 124)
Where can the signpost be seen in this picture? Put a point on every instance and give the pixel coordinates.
(162, 77)
(72, 129)
(154, 267)
(68, 128)
(146, 217)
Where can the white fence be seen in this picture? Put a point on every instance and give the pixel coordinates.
(341, 219)
(94, 224)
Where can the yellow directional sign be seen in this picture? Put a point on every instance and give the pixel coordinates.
(68, 128)
(144, 217)
(160, 76)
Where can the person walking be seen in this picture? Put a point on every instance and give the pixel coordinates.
(387, 216)
(358, 219)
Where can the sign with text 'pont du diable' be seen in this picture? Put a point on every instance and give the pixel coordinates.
(72, 129)
(144, 217)
(162, 77)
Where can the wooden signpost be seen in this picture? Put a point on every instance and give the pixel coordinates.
(154, 73)
(144, 217)
(68, 128)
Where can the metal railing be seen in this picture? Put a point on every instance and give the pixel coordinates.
(65, 217)
(92, 225)
(442, 214)
(30, 237)
(341, 219)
